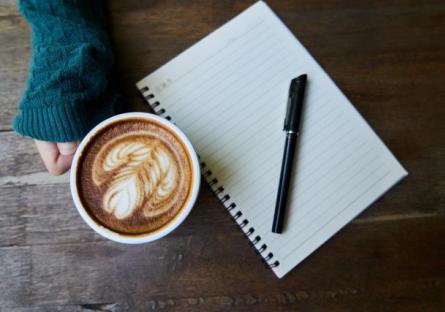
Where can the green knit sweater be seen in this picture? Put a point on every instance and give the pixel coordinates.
(67, 91)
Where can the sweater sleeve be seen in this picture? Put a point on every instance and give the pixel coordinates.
(67, 91)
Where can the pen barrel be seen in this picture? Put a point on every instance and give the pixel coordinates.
(284, 183)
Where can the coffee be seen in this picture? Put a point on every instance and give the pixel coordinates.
(134, 176)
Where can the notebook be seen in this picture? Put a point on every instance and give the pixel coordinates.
(228, 93)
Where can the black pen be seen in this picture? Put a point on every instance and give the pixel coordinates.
(291, 127)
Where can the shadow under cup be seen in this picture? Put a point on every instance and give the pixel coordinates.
(121, 193)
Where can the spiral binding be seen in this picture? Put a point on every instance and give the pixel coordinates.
(219, 191)
(237, 217)
(155, 106)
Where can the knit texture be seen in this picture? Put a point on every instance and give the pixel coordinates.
(67, 91)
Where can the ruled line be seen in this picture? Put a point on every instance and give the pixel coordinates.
(302, 184)
(222, 154)
(319, 201)
(223, 71)
(254, 28)
(275, 164)
(303, 187)
(322, 226)
(228, 98)
(311, 215)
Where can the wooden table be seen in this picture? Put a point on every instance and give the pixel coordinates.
(389, 59)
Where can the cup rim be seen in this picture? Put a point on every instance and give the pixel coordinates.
(142, 238)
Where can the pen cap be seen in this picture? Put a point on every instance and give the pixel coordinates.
(295, 104)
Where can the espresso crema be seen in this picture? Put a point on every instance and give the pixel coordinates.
(134, 176)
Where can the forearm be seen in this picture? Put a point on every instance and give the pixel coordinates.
(67, 88)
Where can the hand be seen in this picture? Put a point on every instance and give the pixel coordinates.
(57, 157)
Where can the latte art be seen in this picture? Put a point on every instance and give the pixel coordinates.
(135, 177)
(141, 173)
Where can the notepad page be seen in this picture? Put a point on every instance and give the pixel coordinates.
(228, 93)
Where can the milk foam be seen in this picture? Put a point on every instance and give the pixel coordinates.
(139, 174)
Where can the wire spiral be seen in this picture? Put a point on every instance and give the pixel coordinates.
(237, 217)
(155, 106)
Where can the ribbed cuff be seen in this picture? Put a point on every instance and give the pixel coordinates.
(58, 123)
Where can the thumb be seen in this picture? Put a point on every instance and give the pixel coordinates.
(67, 149)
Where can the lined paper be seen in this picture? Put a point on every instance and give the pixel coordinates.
(228, 93)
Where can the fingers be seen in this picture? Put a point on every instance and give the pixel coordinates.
(62, 165)
(56, 161)
(67, 148)
(48, 151)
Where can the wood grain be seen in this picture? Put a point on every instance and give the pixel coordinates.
(14, 57)
(389, 59)
(201, 270)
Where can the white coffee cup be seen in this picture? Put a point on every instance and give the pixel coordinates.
(147, 237)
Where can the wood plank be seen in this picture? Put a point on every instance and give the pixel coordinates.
(14, 56)
(12, 223)
(45, 214)
(374, 267)
(15, 275)
(40, 214)
(18, 156)
(8, 7)
(113, 307)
